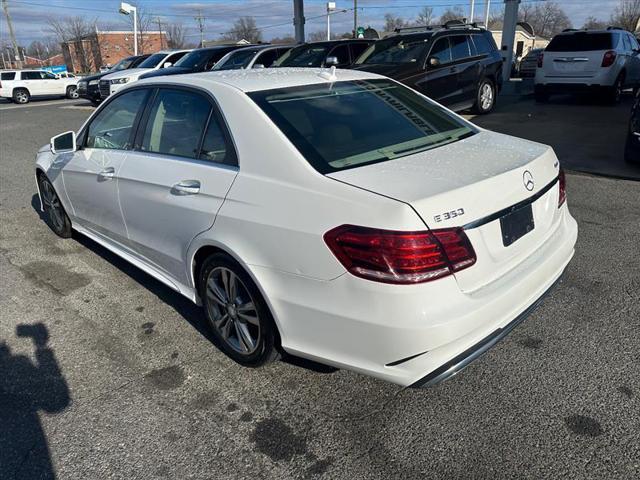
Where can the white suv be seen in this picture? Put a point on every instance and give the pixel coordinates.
(110, 84)
(583, 60)
(21, 85)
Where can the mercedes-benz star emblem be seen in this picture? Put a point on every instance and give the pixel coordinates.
(527, 179)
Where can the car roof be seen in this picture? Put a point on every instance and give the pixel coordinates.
(262, 79)
(335, 42)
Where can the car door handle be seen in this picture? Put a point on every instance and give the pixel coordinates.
(186, 187)
(108, 172)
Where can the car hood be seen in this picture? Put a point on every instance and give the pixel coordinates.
(97, 76)
(396, 72)
(132, 72)
(166, 71)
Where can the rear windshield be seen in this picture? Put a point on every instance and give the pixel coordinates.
(582, 42)
(304, 56)
(199, 58)
(8, 76)
(153, 60)
(396, 50)
(342, 125)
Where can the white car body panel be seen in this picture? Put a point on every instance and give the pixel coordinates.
(272, 212)
(53, 86)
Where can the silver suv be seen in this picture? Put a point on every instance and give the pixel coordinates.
(606, 61)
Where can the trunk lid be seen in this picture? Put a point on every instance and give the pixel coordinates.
(468, 182)
(577, 54)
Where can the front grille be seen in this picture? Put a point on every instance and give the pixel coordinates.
(104, 88)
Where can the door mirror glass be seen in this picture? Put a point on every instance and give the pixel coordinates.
(65, 142)
(167, 64)
(434, 62)
(331, 61)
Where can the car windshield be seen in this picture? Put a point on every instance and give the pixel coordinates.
(581, 42)
(153, 60)
(342, 125)
(304, 56)
(195, 59)
(122, 64)
(395, 50)
(236, 60)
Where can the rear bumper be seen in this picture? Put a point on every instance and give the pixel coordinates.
(604, 78)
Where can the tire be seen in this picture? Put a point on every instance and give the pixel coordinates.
(613, 94)
(238, 317)
(72, 92)
(540, 94)
(21, 96)
(485, 97)
(54, 212)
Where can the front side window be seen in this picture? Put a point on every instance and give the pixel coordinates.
(153, 60)
(357, 49)
(396, 50)
(236, 60)
(460, 47)
(341, 52)
(267, 58)
(353, 123)
(304, 56)
(112, 127)
(176, 122)
(441, 50)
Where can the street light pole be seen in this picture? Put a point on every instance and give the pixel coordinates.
(473, 5)
(126, 9)
(330, 7)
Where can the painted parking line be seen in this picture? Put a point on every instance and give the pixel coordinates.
(42, 104)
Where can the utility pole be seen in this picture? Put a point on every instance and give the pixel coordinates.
(355, 18)
(5, 7)
(160, 30)
(200, 19)
(298, 20)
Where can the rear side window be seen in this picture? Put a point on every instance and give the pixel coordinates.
(176, 122)
(581, 42)
(112, 127)
(442, 50)
(8, 76)
(341, 52)
(483, 46)
(216, 147)
(460, 47)
(348, 124)
(32, 76)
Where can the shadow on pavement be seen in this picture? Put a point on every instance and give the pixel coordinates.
(26, 388)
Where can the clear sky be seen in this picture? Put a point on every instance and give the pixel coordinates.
(274, 16)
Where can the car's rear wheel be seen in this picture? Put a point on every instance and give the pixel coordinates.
(236, 312)
(55, 215)
(21, 95)
(540, 94)
(72, 92)
(485, 97)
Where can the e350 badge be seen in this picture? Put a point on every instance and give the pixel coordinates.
(449, 215)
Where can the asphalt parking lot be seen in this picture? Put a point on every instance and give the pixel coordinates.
(106, 373)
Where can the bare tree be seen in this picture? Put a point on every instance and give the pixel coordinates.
(496, 20)
(455, 13)
(244, 28)
(146, 23)
(593, 23)
(627, 15)
(73, 30)
(283, 40)
(547, 18)
(175, 35)
(425, 17)
(37, 49)
(391, 22)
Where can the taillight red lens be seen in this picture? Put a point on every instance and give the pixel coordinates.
(609, 58)
(540, 59)
(400, 257)
(562, 188)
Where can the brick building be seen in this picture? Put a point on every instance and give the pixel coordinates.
(89, 53)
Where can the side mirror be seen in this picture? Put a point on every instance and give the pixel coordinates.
(331, 61)
(167, 64)
(63, 143)
(434, 62)
(258, 65)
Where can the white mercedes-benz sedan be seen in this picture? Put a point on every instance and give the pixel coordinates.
(334, 215)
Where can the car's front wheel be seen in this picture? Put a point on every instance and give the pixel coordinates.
(72, 92)
(55, 215)
(21, 95)
(485, 97)
(236, 312)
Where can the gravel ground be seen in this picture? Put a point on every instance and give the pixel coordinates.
(106, 373)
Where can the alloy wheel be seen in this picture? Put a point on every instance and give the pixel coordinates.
(232, 311)
(73, 93)
(486, 96)
(52, 205)
(22, 97)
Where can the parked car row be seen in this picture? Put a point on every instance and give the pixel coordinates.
(20, 85)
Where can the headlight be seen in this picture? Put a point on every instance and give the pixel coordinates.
(120, 80)
(94, 82)
(82, 84)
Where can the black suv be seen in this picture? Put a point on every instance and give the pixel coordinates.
(458, 66)
(88, 86)
(338, 53)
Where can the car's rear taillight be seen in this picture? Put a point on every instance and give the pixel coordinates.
(540, 59)
(400, 257)
(609, 58)
(562, 188)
